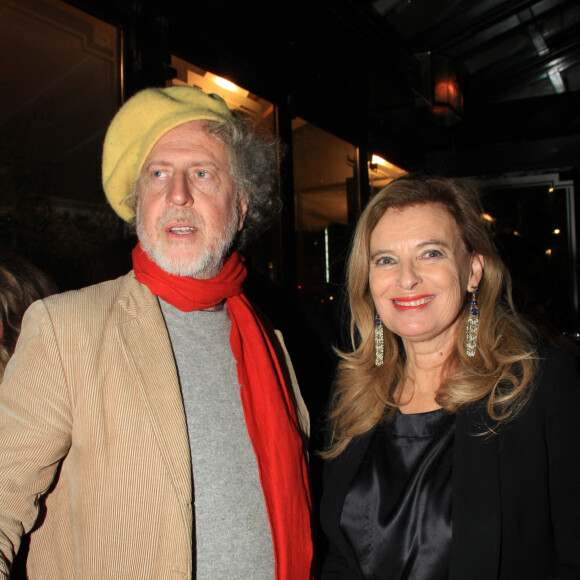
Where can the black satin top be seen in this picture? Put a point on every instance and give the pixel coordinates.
(397, 513)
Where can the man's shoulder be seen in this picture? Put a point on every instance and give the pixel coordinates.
(103, 291)
(125, 294)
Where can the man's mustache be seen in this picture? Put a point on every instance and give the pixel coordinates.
(186, 216)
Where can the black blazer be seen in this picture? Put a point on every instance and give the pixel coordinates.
(516, 493)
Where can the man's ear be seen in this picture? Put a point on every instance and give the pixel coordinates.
(243, 208)
(476, 271)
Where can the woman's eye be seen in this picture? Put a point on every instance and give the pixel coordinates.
(385, 260)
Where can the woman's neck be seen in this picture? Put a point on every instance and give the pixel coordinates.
(423, 367)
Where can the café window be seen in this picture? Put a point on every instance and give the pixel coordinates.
(324, 172)
(63, 68)
(533, 220)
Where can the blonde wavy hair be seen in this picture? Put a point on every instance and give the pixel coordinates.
(21, 283)
(501, 372)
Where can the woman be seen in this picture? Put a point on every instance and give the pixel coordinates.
(21, 283)
(453, 448)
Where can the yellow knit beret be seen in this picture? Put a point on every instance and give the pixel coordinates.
(139, 124)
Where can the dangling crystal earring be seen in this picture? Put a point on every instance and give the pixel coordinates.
(472, 325)
(379, 341)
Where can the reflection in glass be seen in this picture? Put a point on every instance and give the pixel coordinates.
(534, 230)
(63, 69)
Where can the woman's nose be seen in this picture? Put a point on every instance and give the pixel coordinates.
(409, 276)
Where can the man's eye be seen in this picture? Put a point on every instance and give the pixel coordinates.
(157, 173)
(202, 174)
(433, 253)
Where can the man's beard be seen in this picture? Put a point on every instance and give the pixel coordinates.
(209, 259)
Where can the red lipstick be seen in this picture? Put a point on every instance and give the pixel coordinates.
(415, 302)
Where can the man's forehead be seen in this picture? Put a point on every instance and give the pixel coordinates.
(197, 128)
(193, 136)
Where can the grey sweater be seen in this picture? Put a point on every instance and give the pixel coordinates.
(232, 531)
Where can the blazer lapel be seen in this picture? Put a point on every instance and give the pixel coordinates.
(150, 357)
(338, 475)
(476, 503)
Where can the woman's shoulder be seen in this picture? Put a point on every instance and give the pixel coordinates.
(556, 387)
(549, 354)
(556, 370)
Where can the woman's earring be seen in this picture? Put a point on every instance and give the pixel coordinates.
(472, 325)
(379, 341)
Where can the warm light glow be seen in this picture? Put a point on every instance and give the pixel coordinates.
(326, 256)
(487, 217)
(225, 84)
(556, 231)
(551, 190)
(383, 169)
(516, 233)
(549, 252)
(447, 91)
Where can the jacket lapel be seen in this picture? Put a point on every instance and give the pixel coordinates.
(150, 357)
(476, 504)
(338, 475)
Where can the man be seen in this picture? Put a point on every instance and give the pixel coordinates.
(147, 429)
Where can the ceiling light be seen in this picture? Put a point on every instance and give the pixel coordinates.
(225, 84)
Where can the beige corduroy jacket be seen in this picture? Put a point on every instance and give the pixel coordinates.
(94, 451)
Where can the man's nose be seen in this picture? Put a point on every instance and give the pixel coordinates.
(180, 192)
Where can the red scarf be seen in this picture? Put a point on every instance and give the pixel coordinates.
(268, 409)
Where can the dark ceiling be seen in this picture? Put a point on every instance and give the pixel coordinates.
(519, 63)
(506, 50)
(353, 67)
